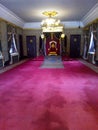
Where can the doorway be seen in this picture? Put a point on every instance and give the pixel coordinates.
(75, 41)
(31, 46)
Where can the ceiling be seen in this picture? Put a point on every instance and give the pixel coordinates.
(31, 10)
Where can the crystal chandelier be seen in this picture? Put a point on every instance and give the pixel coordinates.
(51, 24)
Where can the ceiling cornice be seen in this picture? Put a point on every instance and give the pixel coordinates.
(8, 15)
(68, 24)
(91, 15)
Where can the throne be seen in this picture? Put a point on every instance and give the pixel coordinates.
(52, 50)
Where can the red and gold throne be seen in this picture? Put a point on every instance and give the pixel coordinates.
(52, 50)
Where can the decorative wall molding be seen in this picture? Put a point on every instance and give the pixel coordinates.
(37, 25)
(32, 25)
(91, 15)
(8, 15)
(73, 24)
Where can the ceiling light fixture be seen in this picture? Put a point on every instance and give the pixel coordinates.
(51, 24)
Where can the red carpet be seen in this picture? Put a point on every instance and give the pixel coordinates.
(49, 99)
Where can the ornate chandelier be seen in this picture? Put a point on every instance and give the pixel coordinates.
(51, 24)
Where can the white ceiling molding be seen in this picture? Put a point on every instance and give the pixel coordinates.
(33, 25)
(8, 15)
(73, 24)
(69, 24)
(91, 15)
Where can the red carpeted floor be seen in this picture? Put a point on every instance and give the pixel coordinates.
(32, 98)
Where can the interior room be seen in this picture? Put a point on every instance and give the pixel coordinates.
(48, 65)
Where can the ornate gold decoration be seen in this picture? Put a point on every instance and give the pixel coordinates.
(75, 39)
(50, 13)
(31, 40)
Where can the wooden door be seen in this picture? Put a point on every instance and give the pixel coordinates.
(75, 41)
(31, 46)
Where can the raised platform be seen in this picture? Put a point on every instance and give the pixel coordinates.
(52, 62)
